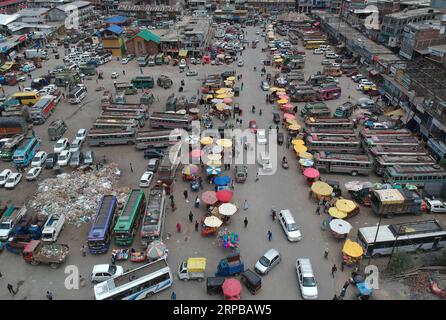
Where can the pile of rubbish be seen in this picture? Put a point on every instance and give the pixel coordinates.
(77, 194)
(54, 251)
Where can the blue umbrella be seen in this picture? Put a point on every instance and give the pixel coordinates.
(213, 170)
(222, 180)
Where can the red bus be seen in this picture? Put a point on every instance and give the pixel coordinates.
(329, 93)
(42, 109)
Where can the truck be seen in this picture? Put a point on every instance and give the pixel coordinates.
(17, 243)
(30, 225)
(389, 202)
(191, 269)
(8, 148)
(37, 252)
(52, 228)
(9, 220)
(315, 109)
(64, 77)
(13, 108)
(56, 129)
(164, 81)
(344, 111)
(147, 98)
(171, 103)
(34, 53)
(12, 126)
(42, 109)
(231, 265)
(88, 69)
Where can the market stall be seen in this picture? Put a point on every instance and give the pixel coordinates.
(352, 252)
(321, 190)
(340, 228)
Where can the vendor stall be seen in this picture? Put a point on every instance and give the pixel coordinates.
(321, 190)
(351, 252)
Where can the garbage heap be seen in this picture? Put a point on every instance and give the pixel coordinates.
(54, 251)
(77, 194)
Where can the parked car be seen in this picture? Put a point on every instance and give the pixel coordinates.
(266, 162)
(13, 179)
(61, 145)
(268, 261)
(4, 176)
(64, 158)
(264, 85)
(305, 276)
(153, 153)
(240, 63)
(76, 145)
(103, 272)
(152, 165)
(39, 159)
(191, 73)
(261, 137)
(125, 60)
(435, 206)
(114, 75)
(325, 62)
(33, 173)
(51, 161)
(289, 225)
(81, 134)
(89, 158)
(76, 159)
(146, 179)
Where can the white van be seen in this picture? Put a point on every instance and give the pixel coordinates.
(305, 276)
(330, 55)
(289, 225)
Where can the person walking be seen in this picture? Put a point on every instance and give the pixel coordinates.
(196, 226)
(333, 270)
(178, 226)
(288, 144)
(342, 266)
(49, 295)
(326, 253)
(318, 210)
(171, 197)
(11, 289)
(245, 205)
(131, 168)
(140, 70)
(185, 193)
(197, 202)
(245, 222)
(83, 251)
(172, 205)
(257, 177)
(241, 87)
(335, 297)
(173, 296)
(270, 235)
(260, 112)
(310, 194)
(273, 214)
(191, 216)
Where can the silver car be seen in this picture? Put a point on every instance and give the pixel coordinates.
(268, 261)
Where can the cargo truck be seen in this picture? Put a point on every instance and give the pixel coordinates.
(36, 252)
(9, 220)
(192, 268)
(52, 228)
(389, 202)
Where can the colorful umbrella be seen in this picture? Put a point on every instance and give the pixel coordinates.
(284, 96)
(220, 106)
(311, 173)
(345, 205)
(352, 249)
(335, 213)
(225, 143)
(222, 180)
(305, 155)
(190, 169)
(273, 89)
(321, 188)
(156, 249)
(220, 91)
(289, 116)
(217, 100)
(282, 101)
(291, 121)
(227, 100)
(224, 195)
(209, 197)
(306, 162)
(206, 140)
(230, 78)
(212, 171)
(196, 153)
(214, 156)
(231, 287)
(297, 142)
(227, 209)
(294, 127)
(300, 149)
(287, 106)
(340, 226)
(213, 222)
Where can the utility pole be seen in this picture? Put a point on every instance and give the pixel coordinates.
(374, 241)
(394, 245)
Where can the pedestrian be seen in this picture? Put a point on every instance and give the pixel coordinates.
(196, 226)
(333, 270)
(270, 235)
(96, 81)
(131, 168)
(245, 205)
(123, 72)
(185, 193)
(260, 112)
(83, 251)
(342, 266)
(172, 205)
(241, 88)
(140, 70)
(197, 202)
(257, 177)
(310, 194)
(346, 284)
(288, 144)
(326, 253)
(277, 129)
(318, 210)
(241, 121)
(1, 275)
(342, 294)
(11, 289)
(49, 295)
(178, 226)
(191, 216)
(200, 181)
(245, 222)
(171, 197)
(335, 297)
(173, 296)
(63, 95)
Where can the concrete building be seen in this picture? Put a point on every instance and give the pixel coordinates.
(438, 4)
(271, 5)
(12, 6)
(78, 12)
(304, 6)
(46, 3)
(229, 13)
(33, 15)
(437, 54)
(393, 24)
(149, 14)
(143, 43)
(113, 40)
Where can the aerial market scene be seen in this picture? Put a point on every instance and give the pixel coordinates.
(223, 150)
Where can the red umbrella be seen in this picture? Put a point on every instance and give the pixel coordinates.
(311, 173)
(289, 116)
(224, 195)
(231, 288)
(196, 153)
(209, 197)
(287, 106)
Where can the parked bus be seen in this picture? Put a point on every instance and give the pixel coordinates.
(385, 161)
(168, 167)
(26, 98)
(317, 79)
(389, 141)
(332, 132)
(115, 123)
(130, 217)
(335, 144)
(368, 132)
(346, 68)
(321, 122)
(145, 82)
(102, 228)
(103, 137)
(42, 109)
(343, 163)
(127, 108)
(433, 176)
(156, 138)
(380, 150)
(137, 283)
(143, 60)
(124, 116)
(329, 93)
(170, 120)
(314, 44)
(404, 237)
(159, 59)
(126, 87)
(77, 94)
(10, 146)
(26, 152)
(153, 221)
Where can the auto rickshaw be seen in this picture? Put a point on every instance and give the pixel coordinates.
(252, 281)
(276, 118)
(236, 91)
(213, 285)
(280, 138)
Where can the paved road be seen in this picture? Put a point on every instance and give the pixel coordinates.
(285, 189)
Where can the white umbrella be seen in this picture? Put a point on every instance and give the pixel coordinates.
(340, 226)
(227, 209)
(213, 222)
(182, 111)
(215, 100)
(354, 185)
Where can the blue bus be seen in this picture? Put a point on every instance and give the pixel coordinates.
(101, 230)
(26, 152)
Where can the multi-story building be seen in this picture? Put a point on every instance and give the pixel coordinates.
(33, 15)
(271, 5)
(46, 3)
(148, 13)
(393, 24)
(113, 40)
(438, 4)
(304, 6)
(78, 13)
(437, 54)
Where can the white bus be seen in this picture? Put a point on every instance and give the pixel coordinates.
(136, 284)
(385, 161)
(405, 237)
(353, 164)
(103, 137)
(77, 95)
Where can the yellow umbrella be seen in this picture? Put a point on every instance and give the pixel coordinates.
(221, 96)
(345, 205)
(220, 91)
(225, 143)
(291, 121)
(352, 249)
(220, 106)
(230, 78)
(273, 89)
(278, 60)
(337, 214)
(321, 188)
(281, 89)
(300, 148)
(282, 101)
(294, 127)
(297, 142)
(305, 155)
(209, 96)
(206, 140)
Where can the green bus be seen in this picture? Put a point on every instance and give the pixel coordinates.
(130, 218)
(87, 69)
(145, 82)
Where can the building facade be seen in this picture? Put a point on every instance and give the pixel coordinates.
(12, 6)
(143, 43)
(78, 13)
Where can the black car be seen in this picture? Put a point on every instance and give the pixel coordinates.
(50, 161)
(153, 153)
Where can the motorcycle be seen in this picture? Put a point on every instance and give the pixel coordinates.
(285, 163)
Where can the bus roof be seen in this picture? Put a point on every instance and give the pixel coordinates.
(342, 156)
(395, 170)
(325, 138)
(25, 94)
(103, 216)
(128, 212)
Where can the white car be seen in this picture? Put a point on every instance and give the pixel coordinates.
(240, 63)
(365, 81)
(64, 158)
(325, 62)
(182, 64)
(13, 180)
(436, 206)
(76, 145)
(81, 134)
(146, 179)
(39, 159)
(257, 32)
(114, 75)
(52, 88)
(125, 60)
(4, 176)
(289, 225)
(33, 173)
(191, 73)
(332, 79)
(266, 162)
(336, 65)
(261, 137)
(103, 272)
(305, 276)
(265, 85)
(318, 51)
(60, 145)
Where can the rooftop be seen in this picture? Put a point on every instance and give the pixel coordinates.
(77, 4)
(6, 19)
(148, 36)
(32, 12)
(116, 19)
(441, 47)
(412, 13)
